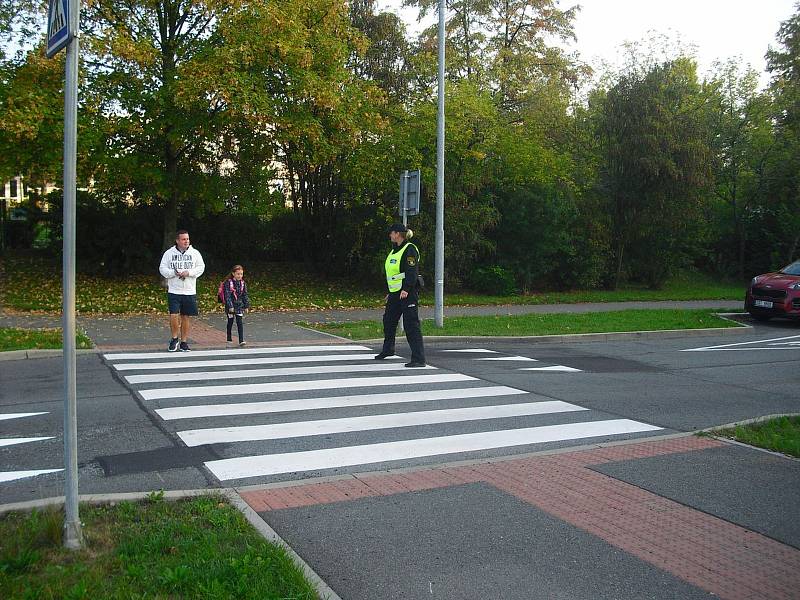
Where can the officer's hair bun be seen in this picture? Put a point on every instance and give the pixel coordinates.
(409, 234)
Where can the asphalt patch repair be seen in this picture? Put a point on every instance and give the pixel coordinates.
(160, 459)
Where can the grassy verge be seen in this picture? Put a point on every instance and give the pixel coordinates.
(199, 548)
(277, 287)
(781, 434)
(13, 338)
(543, 324)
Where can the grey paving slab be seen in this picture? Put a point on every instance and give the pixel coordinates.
(461, 543)
(748, 487)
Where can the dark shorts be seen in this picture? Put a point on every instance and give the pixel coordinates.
(181, 304)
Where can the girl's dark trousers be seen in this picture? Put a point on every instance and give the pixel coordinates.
(239, 327)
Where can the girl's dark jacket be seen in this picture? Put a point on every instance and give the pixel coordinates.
(236, 297)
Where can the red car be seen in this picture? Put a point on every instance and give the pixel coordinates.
(775, 294)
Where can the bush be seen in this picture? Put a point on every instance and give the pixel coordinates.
(495, 280)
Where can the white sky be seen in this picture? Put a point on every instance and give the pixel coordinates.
(718, 29)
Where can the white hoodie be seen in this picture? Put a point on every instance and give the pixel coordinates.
(175, 261)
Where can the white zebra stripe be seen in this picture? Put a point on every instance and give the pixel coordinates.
(233, 352)
(514, 358)
(295, 386)
(553, 369)
(313, 460)
(275, 406)
(7, 416)
(237, 362)
(277, 431)
(13, 441)
(248, 373)
(14, 475)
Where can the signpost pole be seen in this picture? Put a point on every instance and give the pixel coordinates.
(73, 537)
(404, 197)
(438, 295)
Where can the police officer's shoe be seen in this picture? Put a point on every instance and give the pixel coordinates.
(415, 363)
(382, 355)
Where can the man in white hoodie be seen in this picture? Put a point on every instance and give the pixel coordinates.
(181, 265)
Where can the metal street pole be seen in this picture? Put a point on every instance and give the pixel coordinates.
(73, 537)
(404, 197)
(438, 311)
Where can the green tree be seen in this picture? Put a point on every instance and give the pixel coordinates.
(742, 143)
(155, 141)
(31, 118)
(283, 70)
(784, 64)
(655, 167)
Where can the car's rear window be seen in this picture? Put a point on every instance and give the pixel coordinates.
(792, 269)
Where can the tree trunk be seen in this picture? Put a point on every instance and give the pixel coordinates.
(618, 274)
(170, 221)
(171, 201)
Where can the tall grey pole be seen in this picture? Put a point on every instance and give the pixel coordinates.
(73, 537)
(438, 313)
(404, 197)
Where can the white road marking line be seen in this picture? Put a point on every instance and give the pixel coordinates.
(277, 431)
(275, 406)
(13, 475)
(13, 441)
(233, 352)
(473, 350)
(6, 416)
(295, 386)
(312, 460)
(554, 368)
(731, 346)
(247, 373)
(512, 358)
(235, 362)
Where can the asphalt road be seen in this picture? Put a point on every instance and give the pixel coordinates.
(146, 422)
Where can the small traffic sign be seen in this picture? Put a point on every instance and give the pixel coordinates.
(59, 26)
(409, 193)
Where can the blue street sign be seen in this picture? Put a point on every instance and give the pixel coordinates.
(59, 30)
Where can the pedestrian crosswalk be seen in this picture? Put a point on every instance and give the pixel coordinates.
(14, 475)
(300, 410)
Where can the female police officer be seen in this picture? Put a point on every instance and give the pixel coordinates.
(401, 277)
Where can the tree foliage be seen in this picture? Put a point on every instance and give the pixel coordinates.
(655, 167)
(291, 121)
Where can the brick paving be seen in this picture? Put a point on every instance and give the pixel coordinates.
(715, 555)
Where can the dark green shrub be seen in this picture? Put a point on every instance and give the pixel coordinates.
(495, 280)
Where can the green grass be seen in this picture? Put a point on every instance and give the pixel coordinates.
(13, 338)
(282, 287)
(199, 548)
(781, 434)
(543, 324)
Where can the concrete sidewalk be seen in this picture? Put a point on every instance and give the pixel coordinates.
(110, 332)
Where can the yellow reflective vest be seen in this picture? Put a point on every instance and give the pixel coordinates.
(394, 278)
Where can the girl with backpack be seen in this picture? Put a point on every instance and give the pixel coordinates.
(236, 300)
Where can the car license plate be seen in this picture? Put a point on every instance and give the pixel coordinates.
(762, 303)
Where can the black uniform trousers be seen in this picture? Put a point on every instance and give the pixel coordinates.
(395, 307)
